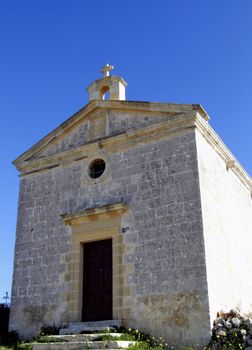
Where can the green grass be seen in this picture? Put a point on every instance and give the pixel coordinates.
(144, 345)
(46, 339)
(124, 336)
(24, 346)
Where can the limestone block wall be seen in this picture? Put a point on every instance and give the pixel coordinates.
(227, 218)
(164, 273)
(39, 286)
(169, 290)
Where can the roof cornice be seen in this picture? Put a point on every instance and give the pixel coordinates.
(192, 116)
(113, 144)
(219, 146)
(137, 106)
(180, 124)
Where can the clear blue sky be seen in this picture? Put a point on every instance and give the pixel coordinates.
(182, 51)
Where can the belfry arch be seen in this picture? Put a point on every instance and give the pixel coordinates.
(110, 87)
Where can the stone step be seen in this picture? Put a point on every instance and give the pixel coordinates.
(83, 337)
(80, 345)
(82, 327)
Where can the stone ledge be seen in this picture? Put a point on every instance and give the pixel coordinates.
(93, 213)
(80, 345)
(112, 143)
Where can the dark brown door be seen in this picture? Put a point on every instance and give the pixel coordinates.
(97, 281)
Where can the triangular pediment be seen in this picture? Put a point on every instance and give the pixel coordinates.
(102, 119)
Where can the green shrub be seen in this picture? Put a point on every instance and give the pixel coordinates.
(109, 337)
(144, 345)
(24, 346)
(232, 340)
(49, 330)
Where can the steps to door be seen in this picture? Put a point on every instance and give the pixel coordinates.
(82, 327)
(86, 335)
(83, 337)
(83, 341)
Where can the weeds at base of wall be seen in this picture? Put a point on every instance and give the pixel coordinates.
(49, 330)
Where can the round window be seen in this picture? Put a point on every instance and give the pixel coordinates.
(97, 168)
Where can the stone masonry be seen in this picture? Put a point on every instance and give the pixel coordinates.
(167, 195)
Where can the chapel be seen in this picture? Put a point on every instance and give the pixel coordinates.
(131, 213)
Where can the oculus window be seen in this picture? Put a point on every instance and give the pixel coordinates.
(97, 168)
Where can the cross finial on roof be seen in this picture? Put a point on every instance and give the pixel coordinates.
(106, 69)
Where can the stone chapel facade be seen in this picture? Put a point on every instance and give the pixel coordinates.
(132, 211)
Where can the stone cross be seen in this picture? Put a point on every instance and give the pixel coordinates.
(106, 69)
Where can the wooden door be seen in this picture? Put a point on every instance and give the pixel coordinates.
(97, 281)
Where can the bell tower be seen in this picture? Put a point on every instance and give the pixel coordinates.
(110, 87)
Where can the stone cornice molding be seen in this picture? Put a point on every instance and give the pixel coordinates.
(112, 144)
(93, 214)
(95, 105)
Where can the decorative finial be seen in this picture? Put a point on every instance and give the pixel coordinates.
(106, 69)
